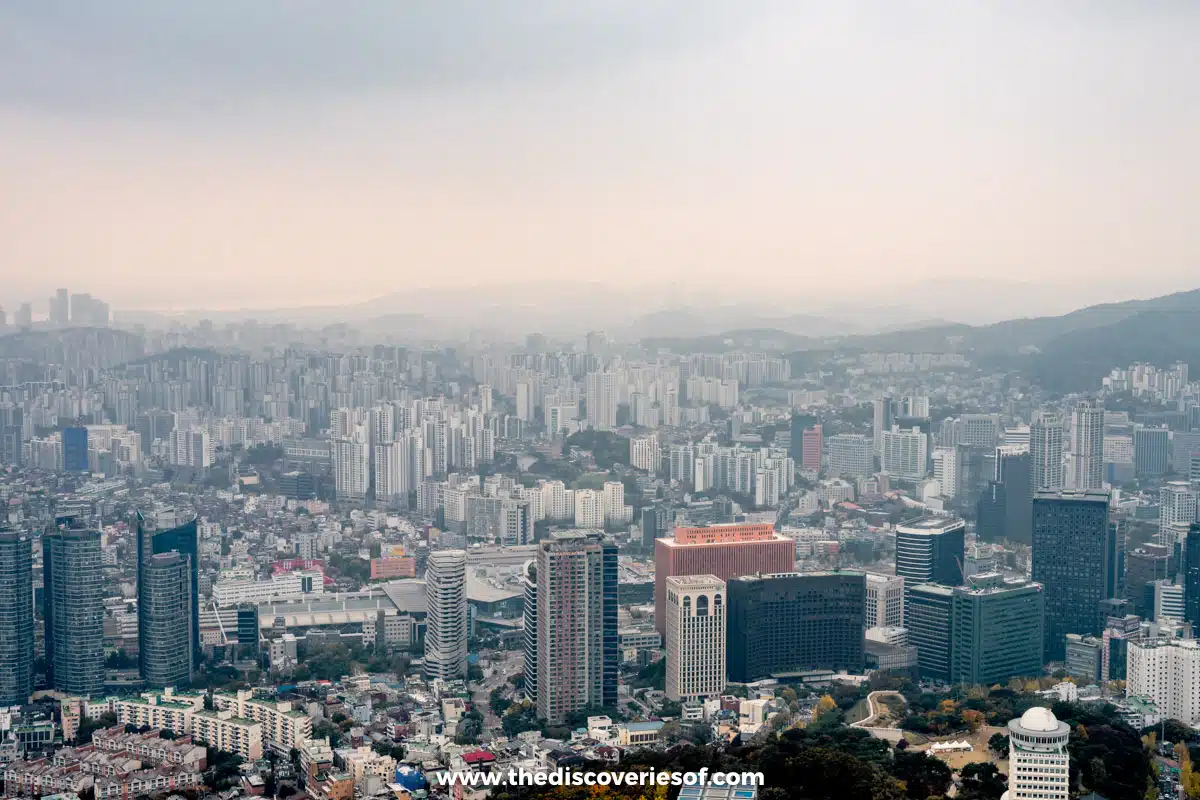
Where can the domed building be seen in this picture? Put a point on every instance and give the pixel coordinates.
(1038, 763)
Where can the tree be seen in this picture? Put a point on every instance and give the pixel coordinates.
(981, 781)
(998, 744)
(973, 718)
(824, 706)
(922, 776)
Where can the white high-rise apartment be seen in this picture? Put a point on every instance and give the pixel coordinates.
(884, 604)
(1038, 761)
(1046, 452)
(525, 401)
(695, 607)
(446, 620)
(947, 467)
(352, 465)
(643, 453)
(589, 508)
(1167, 671)
(1087, 445)
(391, 472)
(1176, 510)
(850, 454)
(602, 400)
(904, 453)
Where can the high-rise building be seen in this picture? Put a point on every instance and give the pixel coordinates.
(165, 640)
(530, 630)
(980, 430)
(1039, 763)
(75, 449)
(654, 524)
(1176, 511)
(947, 470)
(74, 610)
(1151, 451)
(695, 640)
(1191, 576)
(516, 523)
(795, 622)
(996, 630)
(1087, 446)
(851, 454)
(883, 418)
(602, 400)
(884, 604)
(1144, 566)
(1013, 471)
(578, 644)
(644, 453)
(446, 617)
(798, 425)
(1046, 452)
(904, 453)
(352, 465)
(1167, 672)
(160, 534)
(928, 613)
(811, 457)
(931, 550)
(726, 551)
(1071, 554)
(16, 618)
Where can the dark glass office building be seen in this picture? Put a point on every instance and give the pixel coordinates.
(794, 622)
(16, 618)
(996, 630)
(182, 539)
(1191, 576)
(75, 449)
(73, 572)
(928, 610)
(1012, 471)
(1071, 553)
(165, 638)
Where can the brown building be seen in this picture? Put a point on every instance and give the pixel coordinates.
(726, 551)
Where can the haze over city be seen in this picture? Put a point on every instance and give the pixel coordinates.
(225, 155)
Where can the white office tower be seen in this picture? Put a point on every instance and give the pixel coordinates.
(850, 454)
(446, 620)
(589, 508)
(695, 629)
(904, 453)
(1087, 445)
(352, 465)
(1017, 436)
(602, 400)
(1038, 761)
(1167, 672)
(643, 453)
(1046, 452)
(884, 605)
(947, 469)
(1176, 511)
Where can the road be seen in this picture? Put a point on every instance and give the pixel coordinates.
(875, 707)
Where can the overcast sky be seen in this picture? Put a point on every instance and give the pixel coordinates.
(274, 152)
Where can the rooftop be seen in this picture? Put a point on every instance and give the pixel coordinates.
(931, 525)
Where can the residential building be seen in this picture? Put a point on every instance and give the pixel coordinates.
(165, 638)
(1166, 672)
(695, 640)
(16, 618)
(578, 644)
(1087, 446)
(161, 533)
(905, 453)
(1046, 452)
(446, 618)
(284, 725)
(74, 610)
(851, 454)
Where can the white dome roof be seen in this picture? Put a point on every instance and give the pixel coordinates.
(1039, 719)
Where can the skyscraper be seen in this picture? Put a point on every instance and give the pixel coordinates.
(883, 418)
(578, 646)
(165, 640)
(1046, 452)
(1071, 553)
(602, 400)
(16, 618)
(1013, 471)
(695, 640)
(1087, 445)
(904, 453)
(996, 630)
(529, 630)
(725, 551)
(1191, 576)
(930, 550)
(795, 622)
(160, 534)
(446, 619)
(73, 574)
(928, 613)
(1151, 451)
(75, 449)
(811, 457)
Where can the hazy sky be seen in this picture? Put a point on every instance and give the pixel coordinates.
(272, 152)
